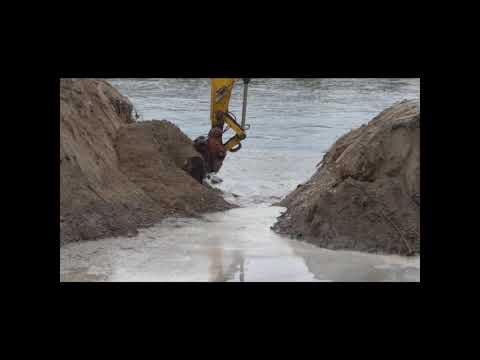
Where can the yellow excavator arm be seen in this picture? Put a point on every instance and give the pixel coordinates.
(212, 148)
(220, 114)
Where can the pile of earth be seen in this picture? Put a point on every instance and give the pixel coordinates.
(365, 195)
(116, 174)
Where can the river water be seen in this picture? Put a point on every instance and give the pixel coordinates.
(293, 123)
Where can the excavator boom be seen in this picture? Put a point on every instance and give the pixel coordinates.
(220, 114)
(212, 148)
(220, 98)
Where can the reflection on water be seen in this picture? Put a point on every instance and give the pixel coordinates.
(236, 245)
(217, 273)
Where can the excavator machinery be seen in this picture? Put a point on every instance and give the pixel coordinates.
(211, 147)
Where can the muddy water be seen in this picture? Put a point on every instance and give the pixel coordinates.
(233, 246)
(293, 122)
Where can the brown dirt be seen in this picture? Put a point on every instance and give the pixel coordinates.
(117, 175)
(366, 194)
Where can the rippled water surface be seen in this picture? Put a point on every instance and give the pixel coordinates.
(293, 122)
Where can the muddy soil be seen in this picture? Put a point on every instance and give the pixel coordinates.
(117, 175)
(365, 194)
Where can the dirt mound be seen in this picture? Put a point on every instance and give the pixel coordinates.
(366, 194)
(117, 175)
(155, 156)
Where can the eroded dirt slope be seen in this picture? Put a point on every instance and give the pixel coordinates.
(366, 193)
(116, 174)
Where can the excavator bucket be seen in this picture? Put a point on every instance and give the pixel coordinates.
(212, 148)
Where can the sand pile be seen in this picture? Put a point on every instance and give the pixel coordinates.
(366, 193)
(116, 174)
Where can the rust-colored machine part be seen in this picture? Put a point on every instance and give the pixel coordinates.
(215, 149)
